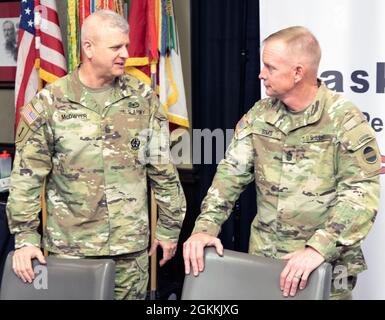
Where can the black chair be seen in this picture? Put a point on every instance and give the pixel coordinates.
(61, 279)
(241, 276)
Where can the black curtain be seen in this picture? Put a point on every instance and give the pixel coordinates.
(225, 85)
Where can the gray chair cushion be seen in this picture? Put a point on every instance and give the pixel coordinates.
(240, 276)
(62, 279)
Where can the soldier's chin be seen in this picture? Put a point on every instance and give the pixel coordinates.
(268, 92)
(118, 72)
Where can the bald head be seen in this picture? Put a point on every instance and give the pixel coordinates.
(301, 44)
(100, 21)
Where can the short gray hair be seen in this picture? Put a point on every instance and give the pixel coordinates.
(300, 41)
(110, 18)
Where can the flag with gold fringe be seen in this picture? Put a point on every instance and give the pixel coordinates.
(154, 53)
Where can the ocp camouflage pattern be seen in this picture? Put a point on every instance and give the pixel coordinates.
(96, 163)
(316, 174)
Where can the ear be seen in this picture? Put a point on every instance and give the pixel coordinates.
(87, 49)
(299, 72)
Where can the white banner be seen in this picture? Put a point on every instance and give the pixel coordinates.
(350, 33)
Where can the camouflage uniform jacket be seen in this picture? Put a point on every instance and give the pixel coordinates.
(316, 175)
(96, 164)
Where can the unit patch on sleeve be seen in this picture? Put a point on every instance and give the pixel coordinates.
(370, 155)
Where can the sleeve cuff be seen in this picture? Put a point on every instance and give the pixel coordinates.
(27, 239)
(165, 234)
(325, 244)
(207, 227)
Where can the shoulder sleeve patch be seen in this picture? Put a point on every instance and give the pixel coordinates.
(370, 155)
(22, 131)
(30, 120)
(369, 158)
(359, 141)
(32, 117)
(242, 128)
(29, 113)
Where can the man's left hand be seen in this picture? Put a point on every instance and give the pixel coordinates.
(168, 247)
(298, 268)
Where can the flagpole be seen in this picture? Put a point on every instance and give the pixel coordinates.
(154, 213)
(43, 189)
(153, 283)
(38, 24)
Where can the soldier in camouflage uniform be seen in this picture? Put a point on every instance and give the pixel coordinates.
(96, 135)
(315, 162)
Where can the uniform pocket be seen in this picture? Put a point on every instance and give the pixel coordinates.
(315, 156)
(142, 262)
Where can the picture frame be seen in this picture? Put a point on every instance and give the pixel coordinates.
(9, 26)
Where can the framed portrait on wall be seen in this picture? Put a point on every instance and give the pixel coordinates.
(9, 28)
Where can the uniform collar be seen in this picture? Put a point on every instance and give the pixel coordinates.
(278, 115)
(79, 95)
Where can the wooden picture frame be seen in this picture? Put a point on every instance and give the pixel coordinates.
(9, 25)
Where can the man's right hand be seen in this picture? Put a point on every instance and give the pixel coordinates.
(193, 251)
(22, 264)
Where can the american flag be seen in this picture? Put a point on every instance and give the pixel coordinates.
(40, 50)
(26, 82)
(29, 113)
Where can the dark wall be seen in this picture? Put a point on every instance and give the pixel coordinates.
(171, 275)
(225, 85)
(225, 67)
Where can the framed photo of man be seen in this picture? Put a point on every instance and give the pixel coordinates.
(9, 28)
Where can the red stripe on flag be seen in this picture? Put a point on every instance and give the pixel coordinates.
(137, 21)
(81, 12)
(87, 10)
(151, 30)
(27, 67)
(52, 42)
(51, 15)
(52, 68)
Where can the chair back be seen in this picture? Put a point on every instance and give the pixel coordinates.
(241, 276)
(61, 279)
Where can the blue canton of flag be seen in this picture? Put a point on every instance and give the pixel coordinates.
(26, 83)
(27, 16)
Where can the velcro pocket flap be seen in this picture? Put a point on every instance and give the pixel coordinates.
(357, 137)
